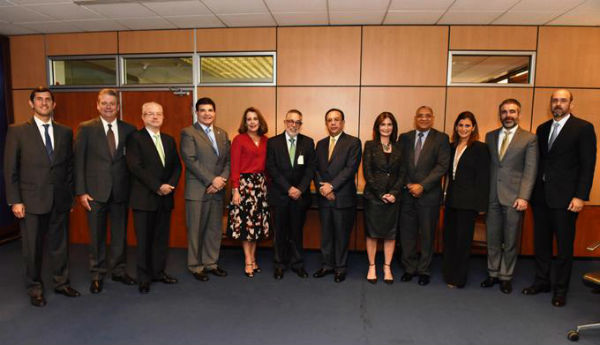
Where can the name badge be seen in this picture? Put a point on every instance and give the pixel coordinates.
(300, 160)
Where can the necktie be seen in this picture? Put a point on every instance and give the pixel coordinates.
(418, 147)
(159, 148)
(112, 146)
(49, 149)
(331, 147)
(504, 145)
(292, 150)
(212, 140)
(553, 135)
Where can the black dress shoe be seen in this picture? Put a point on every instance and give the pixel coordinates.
(535, 289)
(489, 282)
(167, 279)
(144, 288)
(278, 274)
(67, 291)
(218, 271)
(37, 301)
(322, 273)
(300, 272)
(96, 286)
(506, 286)
(339, 277)
(559, 300)
(125, 279)
(423, 279)
(406, 277)
(201, 276)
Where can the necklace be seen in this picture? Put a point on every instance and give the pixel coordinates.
(386, 147)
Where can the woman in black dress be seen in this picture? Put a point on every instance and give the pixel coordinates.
(467, 196)
(382, 168)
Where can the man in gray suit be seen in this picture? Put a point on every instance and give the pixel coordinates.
(205, 153)
(514, 157)
(38, 163)
(427, 158)
(102, 187)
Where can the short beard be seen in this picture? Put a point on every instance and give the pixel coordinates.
(514, 123)
(558, 113)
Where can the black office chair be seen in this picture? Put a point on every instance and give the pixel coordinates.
(591, 279)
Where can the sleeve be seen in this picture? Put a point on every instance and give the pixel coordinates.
(136, 166)
(191, 159)
(530, 169)
(371, 183)
(236, 156)
(350, 168)
(227, 168)
(12, 158)
(441, 165)
(310, 160)
(79, 151)
(482, 177)
(273, 170)
(176, 174)
(587, 161)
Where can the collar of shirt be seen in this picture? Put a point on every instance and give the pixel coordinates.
(204, 127)
(425, 134)
(106, 123)
(152, 134)
(40, 125)
(336, 137)
(562, 121)
(288, 137)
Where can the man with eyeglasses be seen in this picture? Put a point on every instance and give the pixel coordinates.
(291, 165)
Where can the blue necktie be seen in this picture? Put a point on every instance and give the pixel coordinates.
(212, 140)
(49, 149)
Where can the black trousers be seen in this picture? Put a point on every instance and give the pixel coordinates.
(288, 240)
(459, 226)
(550, 222)
(152, 234)
(417, 225)
(52, 227)
(336, 226)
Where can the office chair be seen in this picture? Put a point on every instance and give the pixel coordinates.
(591, 279)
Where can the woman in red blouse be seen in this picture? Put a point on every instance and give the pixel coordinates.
(249, 215)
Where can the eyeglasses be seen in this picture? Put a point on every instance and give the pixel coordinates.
(292, 122)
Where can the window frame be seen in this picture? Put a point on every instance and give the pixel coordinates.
(530, 53)
(122, 77)
(200, 55)
(51, 77)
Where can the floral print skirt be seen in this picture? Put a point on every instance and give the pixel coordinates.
(250, 220)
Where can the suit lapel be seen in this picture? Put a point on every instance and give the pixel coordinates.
(150, 142)
(121, 138)
(564, 132)
(411, 148)
(35, 132)
(495, 139)
(336, 148)
(102, 139)
(203, 136)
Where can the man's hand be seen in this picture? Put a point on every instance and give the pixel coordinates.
(575, 205)
(325, 188)
(415, 189)
(388, 198)
(330, 196)
(84, 200)
(520, 204)
(211, 190)
(18, 210)
(165, 189)
(294, 193)
(219, 182)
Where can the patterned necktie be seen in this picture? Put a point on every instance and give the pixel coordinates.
(292, 150)
(49, 149)
(553, 135)
(112, 146)
(159, 148)
(212, 140)
(418, 147)
(331, 147)
(504, 145)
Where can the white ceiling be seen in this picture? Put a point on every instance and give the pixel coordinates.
(53, 16)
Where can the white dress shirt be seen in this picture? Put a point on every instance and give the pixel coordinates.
(40, 124)
(115, 129)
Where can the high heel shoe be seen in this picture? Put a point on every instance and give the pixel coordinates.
(255, 268)
(249, 274)
(386, 280)
(372, 280)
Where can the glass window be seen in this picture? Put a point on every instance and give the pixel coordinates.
(491, 68)
(245, 69)
(158, 70)
(83, 71)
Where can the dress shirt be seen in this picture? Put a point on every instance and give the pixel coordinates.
(457, 156)
(40, 125)
(115, 129)
(153, 136)
(511, 134)
(561, 124)
(287, 140)
(425, 134)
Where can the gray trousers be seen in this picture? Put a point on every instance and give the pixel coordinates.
(503, 228)
(204, 222)
(417, 225)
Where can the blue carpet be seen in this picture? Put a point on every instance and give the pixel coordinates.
(239, 310)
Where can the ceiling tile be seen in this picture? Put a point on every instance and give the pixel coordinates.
(526, 17)
(236, 6)
(99, 25)
(146, 23)
(547, 5)
(469, 17)
(301, 18)
(420, 5)
(5, 3)
(178, 8)
(20, 15)
(14, 29)
(64, 11)
(356, 18)
(484, 6)
(413, 17)
(195, 21)
(357, 5)
(122, 10)
(25, 2)
(248, 19)
(587, 13)
(53, 27)
(295, 6)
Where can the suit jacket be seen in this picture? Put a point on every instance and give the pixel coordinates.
(469, 190)
(567, 170)
(30, 177)
(433, 164)
(284, 175)
(96, 173)
(382, 177)
(514, 176)
(148, 172)
(340, 171)
(202, 164)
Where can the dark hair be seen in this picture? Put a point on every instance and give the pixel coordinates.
(205, 100)
(380, 118)
(110, 92)
(294, 111)
(509, 101)
(474, 135)
(262, 129)
(334, 109)
(40, 89)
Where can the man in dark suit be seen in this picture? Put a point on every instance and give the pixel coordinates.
(38, 163)
(291, 165)
(205, 152)
(338, 158)
(567, 147)
(154, 164)
(427, 153)
(102, 187)
(514, 157)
